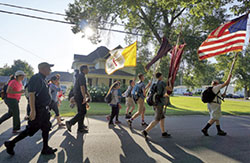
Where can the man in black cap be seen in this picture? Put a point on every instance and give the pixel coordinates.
(80, 96)
(39, 99)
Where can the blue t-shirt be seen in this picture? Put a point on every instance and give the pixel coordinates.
(54, 89)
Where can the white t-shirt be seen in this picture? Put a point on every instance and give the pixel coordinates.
(217, 98)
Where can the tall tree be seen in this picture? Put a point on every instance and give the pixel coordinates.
(18, 65)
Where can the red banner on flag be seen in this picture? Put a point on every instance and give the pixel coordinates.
(176, 55)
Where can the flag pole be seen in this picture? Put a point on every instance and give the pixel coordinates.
(231, 70)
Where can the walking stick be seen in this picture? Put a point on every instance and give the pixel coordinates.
(231, 70)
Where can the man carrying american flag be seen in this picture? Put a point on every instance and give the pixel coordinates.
(229, 37)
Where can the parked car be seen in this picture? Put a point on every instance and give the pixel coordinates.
(229, 95)
(236, 96)
(188, 94)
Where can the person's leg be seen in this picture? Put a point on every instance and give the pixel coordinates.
(16, 115)
(8, 114)
(113, 113)
(151, 125)
(117, 114)
(82, 112)
(140, 109)
(162, 125)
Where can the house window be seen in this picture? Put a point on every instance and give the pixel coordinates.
(124, 81)
(96, 82)
(90, 82)
(110, 82)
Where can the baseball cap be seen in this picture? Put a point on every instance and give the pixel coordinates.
(19, 72)
(44, 64)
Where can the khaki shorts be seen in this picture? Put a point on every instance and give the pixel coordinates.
(159, 113)
(130, 102)
(141, 105)
(214, 111)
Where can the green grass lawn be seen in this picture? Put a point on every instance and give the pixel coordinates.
(180, 106)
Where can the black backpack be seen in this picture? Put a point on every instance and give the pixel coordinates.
(108, 97)
(4, 91)
(208, 95)
(152, 98)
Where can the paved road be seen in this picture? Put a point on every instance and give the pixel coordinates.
(121, 144)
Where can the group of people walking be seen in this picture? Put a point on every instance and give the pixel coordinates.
(42, 98)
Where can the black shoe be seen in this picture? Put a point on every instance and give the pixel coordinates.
(144, 134)
(204, 132)
(129, 123)
(62, 119)
(111, 124)
(165, 135)
(68, 125)
(48, 151)
(83, 130)
(127, 116)
(144, 124)
(221, 133)
(9, 147)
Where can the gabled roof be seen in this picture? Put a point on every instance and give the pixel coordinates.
(100, 52)
(103, 72)
(65, 76)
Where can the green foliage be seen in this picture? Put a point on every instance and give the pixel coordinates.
(18, 65)
(241, 7)
(241, 71)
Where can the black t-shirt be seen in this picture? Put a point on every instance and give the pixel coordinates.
(39, 86)
(80, 81)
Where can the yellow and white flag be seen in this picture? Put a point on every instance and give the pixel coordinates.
(119, 58)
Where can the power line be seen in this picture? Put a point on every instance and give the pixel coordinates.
(64, 22)
(32, 9)
(21, 48)
(35, 17)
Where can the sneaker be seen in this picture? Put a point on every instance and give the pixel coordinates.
(204, 132)
(9, 147)
(62, 119)
(144, 134)
(48, 151)
(82, 130)
(61, 125)
(127, 116)
(129, 123)
(108, 117)
(144, 124)
(16, 131)
(26, 118)
(68, 125)
(85, 127)
(111, 124)
(165, 135)
(221, 133)
(117, 122)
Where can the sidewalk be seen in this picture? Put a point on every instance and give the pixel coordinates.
(121, 144)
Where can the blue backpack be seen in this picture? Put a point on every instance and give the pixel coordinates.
(136, 92)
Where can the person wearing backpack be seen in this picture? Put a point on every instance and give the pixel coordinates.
(214, 107)
(54, 89)
(14, 92)
(141, 93)
(113, 99)
(130, 103)
(160, 90)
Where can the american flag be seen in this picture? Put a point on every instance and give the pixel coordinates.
(226, 38)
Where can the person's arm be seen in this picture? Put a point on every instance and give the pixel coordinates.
(227, 81)
(10, 90)
(32, 106)
(83, 94)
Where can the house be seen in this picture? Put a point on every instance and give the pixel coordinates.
(97, 75)
(3, 80)
(66, 79)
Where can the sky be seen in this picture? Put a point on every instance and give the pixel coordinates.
(45, 41)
